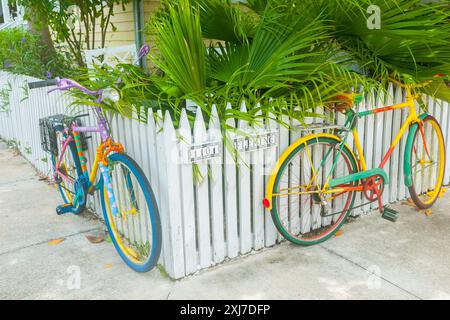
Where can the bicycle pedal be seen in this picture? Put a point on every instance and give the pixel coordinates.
(390, 214)
(63, 209)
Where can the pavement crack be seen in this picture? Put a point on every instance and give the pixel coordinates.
(45, 241)
(365, 269)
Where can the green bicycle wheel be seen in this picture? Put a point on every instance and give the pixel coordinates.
(427, 164)
(302, 213)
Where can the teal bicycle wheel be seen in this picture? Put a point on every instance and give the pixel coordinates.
(70, 167)
(136, 231)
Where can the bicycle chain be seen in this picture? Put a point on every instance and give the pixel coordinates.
(360, 206)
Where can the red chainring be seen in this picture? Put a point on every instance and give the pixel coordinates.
(373, 187)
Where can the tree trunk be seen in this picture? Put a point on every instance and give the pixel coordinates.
(39, 26)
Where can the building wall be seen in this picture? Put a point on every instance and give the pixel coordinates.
(124, 22)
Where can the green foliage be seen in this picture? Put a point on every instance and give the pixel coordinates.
(412, 45)
(5, 93)
(137, 90)
(180, 35)
(298, 54)
(22, 52)
(213, 51)
(289, 55)
(79, 25)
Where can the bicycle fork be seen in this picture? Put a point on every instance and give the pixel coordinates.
(109, 190)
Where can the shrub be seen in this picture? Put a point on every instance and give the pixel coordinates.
(21, 52)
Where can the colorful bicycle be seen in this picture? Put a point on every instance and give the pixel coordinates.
(129, 206)
(312, 189)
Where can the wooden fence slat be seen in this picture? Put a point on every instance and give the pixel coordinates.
(359, 198)
(402, 192)
(446, 133)
(230, 190)
(270, 160)
(164, 196)
(387, 139)
(187, 196)
(294, 176)
(283, 210)
(202, 196)
(378, 149)
(395, 174)
(173, 191)
(257, 162)
(216, 187)
(152, 147)
(245, 224)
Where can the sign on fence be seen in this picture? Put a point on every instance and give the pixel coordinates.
(243, 143)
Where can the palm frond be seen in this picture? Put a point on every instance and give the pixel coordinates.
(181, 51)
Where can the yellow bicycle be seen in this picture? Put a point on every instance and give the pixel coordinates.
(312, 189)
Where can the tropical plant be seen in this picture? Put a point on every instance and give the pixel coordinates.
(216, 51)
(22, 52)
(137, 91)
(291, 55)
(78, 24)
(412, 44)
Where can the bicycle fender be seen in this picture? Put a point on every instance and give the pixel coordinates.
(408, 149)
(267, 202)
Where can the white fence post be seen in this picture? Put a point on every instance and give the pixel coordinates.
(216, 187)
(231, 209)
(270, 160)
(173, 190)
(244, 195)
(187, 196)
(257, 163)
(202, 195)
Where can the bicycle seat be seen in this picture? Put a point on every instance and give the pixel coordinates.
(345, 101)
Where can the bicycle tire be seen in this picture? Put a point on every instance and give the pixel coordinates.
(416, 189)
(63, 190)
(153, 212)
(275, 212)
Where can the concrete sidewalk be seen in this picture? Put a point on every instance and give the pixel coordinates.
(372, 259)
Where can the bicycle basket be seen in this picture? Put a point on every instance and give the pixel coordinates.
(49, 141)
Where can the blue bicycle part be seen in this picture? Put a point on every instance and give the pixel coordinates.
(154, 221)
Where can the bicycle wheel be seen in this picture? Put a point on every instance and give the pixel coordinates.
(302, 213)
(68, 172)
(427, 163)
(136, 233)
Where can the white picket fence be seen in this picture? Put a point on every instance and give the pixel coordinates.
(206, 220)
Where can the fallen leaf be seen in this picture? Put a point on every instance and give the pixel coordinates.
(409, 202)
(108, 266)
(441, 194)
(95, 239)
(108, 238)
(55, 242)
(428, 212)
(339, 233)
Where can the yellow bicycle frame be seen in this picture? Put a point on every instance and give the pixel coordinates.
(412, 118)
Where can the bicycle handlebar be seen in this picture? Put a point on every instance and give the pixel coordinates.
(62, 85)
(43, 84)
(67, 84)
